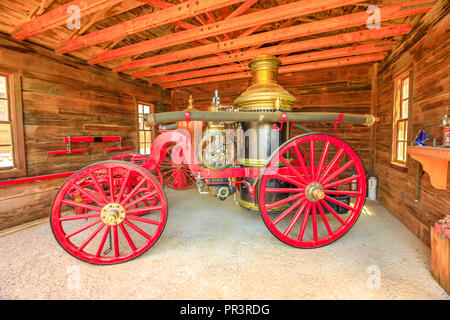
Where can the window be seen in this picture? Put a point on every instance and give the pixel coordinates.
(400, 124)
(12, 154)
(145, 133)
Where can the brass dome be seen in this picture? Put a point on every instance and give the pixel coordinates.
(262, 95)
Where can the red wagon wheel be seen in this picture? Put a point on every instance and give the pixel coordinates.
(138, 159)
(108, 190)
(176, 176)
(322, 206)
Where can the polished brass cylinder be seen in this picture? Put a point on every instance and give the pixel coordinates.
(261, 139)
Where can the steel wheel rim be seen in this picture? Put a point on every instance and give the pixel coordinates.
(312, 210)
(129, 239)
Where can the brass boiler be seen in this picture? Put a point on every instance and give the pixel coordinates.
(261, 139)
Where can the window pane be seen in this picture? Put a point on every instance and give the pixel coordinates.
(146, 109)
(141, 109)
(4, 110)
(3, 94)
(401, 131)
(405, 88)
(142, 136)
(6, 157)
(141, 123)
(147, 148)
(5, 134)
(405, 104)
(142, 148)
(148, 137)
(401, 151)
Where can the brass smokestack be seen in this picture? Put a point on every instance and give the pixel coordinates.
(262, 95)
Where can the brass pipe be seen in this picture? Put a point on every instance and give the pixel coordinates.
(297, 117)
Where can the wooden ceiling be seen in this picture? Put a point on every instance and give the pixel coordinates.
(183, 43)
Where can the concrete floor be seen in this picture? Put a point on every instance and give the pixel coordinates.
(214, 250)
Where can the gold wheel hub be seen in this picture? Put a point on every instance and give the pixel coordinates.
(112, 214)
(314, 192)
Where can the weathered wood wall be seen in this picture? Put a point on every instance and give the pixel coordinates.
(65, 97)
(426, 52)
(345, 89)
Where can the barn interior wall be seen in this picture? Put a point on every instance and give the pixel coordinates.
(425, 52)
(65, 97)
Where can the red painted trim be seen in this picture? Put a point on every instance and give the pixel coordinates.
(38, 178)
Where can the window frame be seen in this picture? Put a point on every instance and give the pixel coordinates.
(397, 110)
(139, 130)
(15, 111)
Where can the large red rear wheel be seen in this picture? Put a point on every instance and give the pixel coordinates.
(314, 175)
(125, 212)
(140, 160)
(175, 176)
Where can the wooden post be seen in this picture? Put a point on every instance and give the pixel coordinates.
(440, 253)
(373, 111)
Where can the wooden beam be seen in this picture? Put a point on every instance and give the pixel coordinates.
(282, 70)
(330, 41)
(294, 59)
(244, 7)
(41, 8)
(165, 16)
(99, 15)
(278, 13)
(307, 29)
(58, 17)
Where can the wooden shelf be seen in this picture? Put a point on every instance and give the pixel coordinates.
(434, 162)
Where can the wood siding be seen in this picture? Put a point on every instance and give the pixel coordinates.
(426, 53)
(63, 97)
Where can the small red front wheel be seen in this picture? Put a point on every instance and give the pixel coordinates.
(310, 182)
(175, 176)
(119, 223)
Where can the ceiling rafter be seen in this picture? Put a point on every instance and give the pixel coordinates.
(278, 13)
(41, 8)
(312, 44)
(301, 30)
(97, 16)
(283, 69)
(298, 58)
(165, 16)
(58, 17)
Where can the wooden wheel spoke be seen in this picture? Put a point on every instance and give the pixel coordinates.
(324, 219)
(124, 184)
(314, 221)
(70, 235)
(341, 182)
(111, 184)
(89, 194)
(133, 191)
(143, 210)
(304, 222)
(294, 220)
(284, 190)
(102, 241)
(337, 172)
(332, 163)
(311, 157)
(140, 199)
(302, 162)
(92, 236)
(322, 159)
(98, 187)
(79, 217)
(288, 211)
(127, 236)
(81, 205)
(284, 201)
(116, 241)
(343, 192)
(287, 179)
(136, 218)
(327, 206)
(137, 229)
(293, 170)
(339, 203)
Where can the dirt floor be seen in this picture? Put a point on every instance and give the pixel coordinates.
(214, 250)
